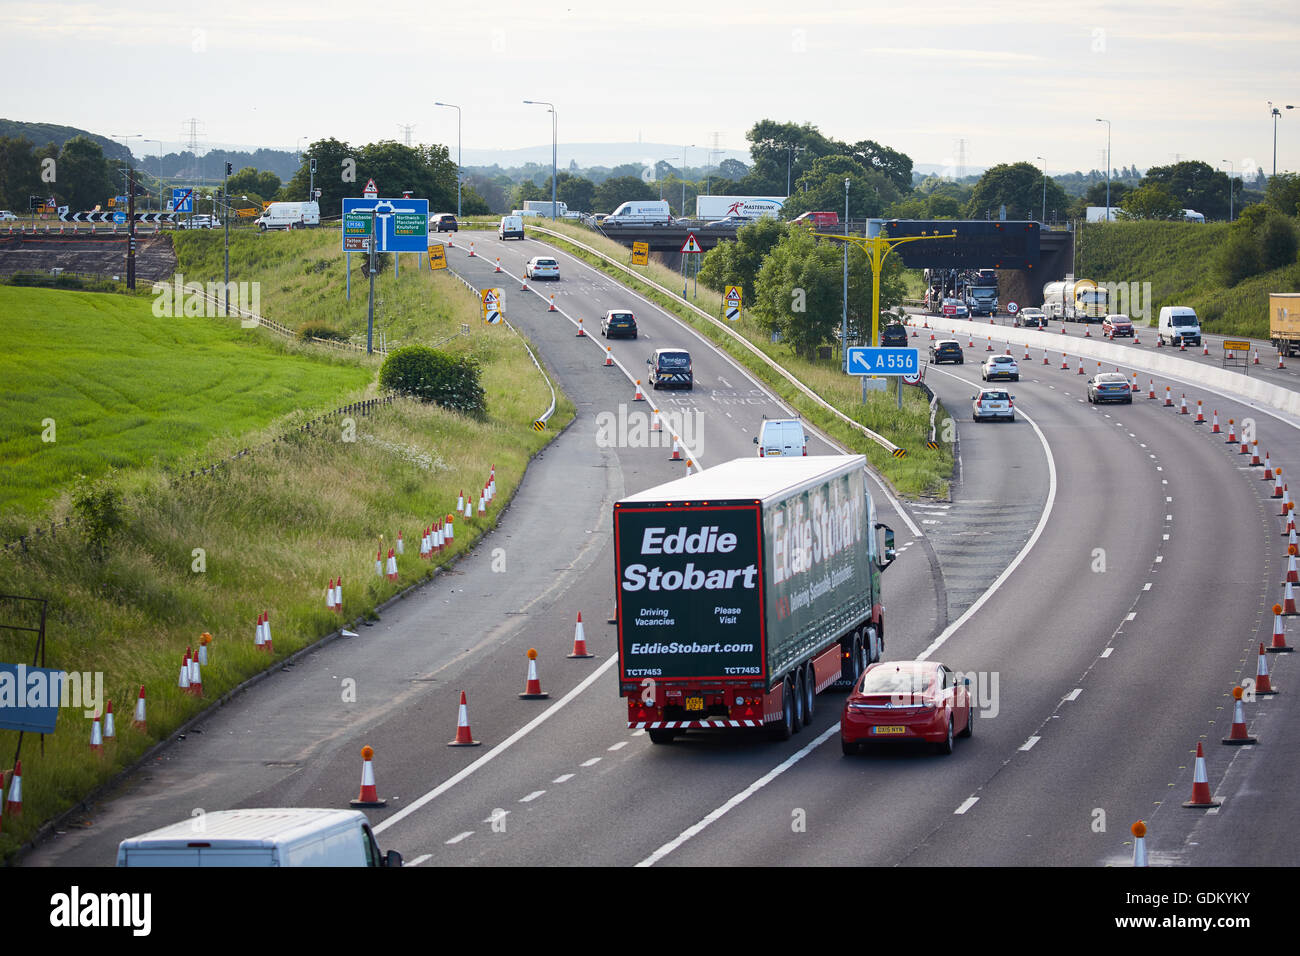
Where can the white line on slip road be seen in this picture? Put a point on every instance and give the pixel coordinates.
(1131, 615)
(619, 746)
(1159, 558)
(1029, 744)
(420, 859)
(1169, 517)
(1074, 694)
(495, 751)
(1107, 652)
(1147, 586)
(1168, 499)
(590, 763)
(532, 796)
(497, 816)
(1164, 537)
(741, 797)
(457, 838)
(967, 804)
(563, 777)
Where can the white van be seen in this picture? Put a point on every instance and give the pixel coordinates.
(511, 227)
(1179, 326)
(284, 836)
(781, 438)
(289, 215)
(652, 211)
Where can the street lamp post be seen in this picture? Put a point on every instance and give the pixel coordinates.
(453, 106)
(554, 147)
(160, 177)
(844, 317)
(1107, 122)
(1232, 176)
(789, 157)
(1044, 159)
(666, 159)
(1276, 113)
(684, 149)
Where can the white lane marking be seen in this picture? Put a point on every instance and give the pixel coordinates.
(1131, 615)
(458, 837)
(1020, 555)
(590, 763)
(495, 751)
(1168, 499)
(1159, 558)
(619, 746)
(1164, 537)
(497, 816)
(1169, 517)
(1029, 744)
(1107, 652)
(966, 805)
(1164, 481)
(420, 859)
(741, 797)
(563, 777)
(725, 383)
(1159, 468)
(640, 732)
(1074, 694)
(532, 796)
(1147, 586)
(928, 521)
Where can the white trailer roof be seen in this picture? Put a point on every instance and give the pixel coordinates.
(224, 827)
(741, 478)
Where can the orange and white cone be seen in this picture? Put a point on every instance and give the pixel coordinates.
(1268, 468)
(338, 595)
(1277, 484)
(258, 640)
(609, 356)
(204, 640)
(1151, 393)
(1201, 796)
(196, 677)
(369, 795)
(677, 451)
(1288, 601)
(582, 334)
(1279, 644)
(482, 504)
(14, 805)
(1200, 416)
(655, 424)
(1139, 831)
(183, 681)
(1245, 448)
(392, 565)
(96, 736)
(971, 344)
(1263, 685)
(1280, 363)
(1081, 371)
(426, 544)
(110, 729)
(498, 268)
(580, 640)
(1238, 734)
(460, 502)
(329, 596)
(533, 687)
(552, 308)
(1026, 351)
(266, 633)
(451, 528)
(989, 347)
(463, 736)
(1065, 363)
(1232, 431)
(1214, 425)
(638, 397)
(471, 251)
(1182, 345)
(1290, 525)
(1205, 347)
(1254, 454)
(1135, 388)
(469, 509)
(1169, 397)
(401, 545)
(379, 563)
(523, 285)
(1136, 340)
(1046, 361)
(138, 721)
(1292, 574)
(1256, 359)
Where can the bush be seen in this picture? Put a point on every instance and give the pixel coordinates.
(1277, 242)
(1239, 259)
(433, 376)
(97, 506)
(320, 330)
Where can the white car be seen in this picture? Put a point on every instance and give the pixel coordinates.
(1000, 366)
(992, 403)
(7, 216)
(1030, 319)
(542, 267)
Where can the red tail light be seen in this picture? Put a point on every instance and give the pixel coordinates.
(760, 452)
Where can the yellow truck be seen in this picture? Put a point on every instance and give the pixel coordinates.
(1284, 321)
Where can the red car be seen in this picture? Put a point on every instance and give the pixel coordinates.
(906, 700)
(1116, 326)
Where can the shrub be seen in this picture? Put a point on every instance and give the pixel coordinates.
(433, 376)
(97, 507)
(316, 329)
(1238, 259)
(1277, 242)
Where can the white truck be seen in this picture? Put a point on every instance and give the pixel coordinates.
(543, 208)
(740, 207)
(1076, 300)
(288, 215)
(645, 212)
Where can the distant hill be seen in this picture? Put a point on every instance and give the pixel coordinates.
(42, 133)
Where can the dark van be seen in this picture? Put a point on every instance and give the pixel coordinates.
(670, 368)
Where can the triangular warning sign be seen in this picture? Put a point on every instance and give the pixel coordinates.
(371, 189)
(733, 295)
(691, 244)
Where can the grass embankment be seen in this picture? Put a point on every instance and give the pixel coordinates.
(924, 471)
(1178, 259)
(273, 527)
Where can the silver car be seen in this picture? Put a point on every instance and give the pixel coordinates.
(542, 267)
(1000, 366)
(992, 403)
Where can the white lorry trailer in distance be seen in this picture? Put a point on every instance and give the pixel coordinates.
(289, 215)
(742, 207)
(540, 208)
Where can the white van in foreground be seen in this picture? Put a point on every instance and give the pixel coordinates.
(1179, 326)
(511, 227)
(647, 212)
(781, 438)
(289, 215)
(283, 836)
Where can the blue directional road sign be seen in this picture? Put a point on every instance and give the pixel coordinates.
(183, 200)
(402, 224)
(119, 217)
(869, 361)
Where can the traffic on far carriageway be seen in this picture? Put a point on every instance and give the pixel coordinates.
(745, 590)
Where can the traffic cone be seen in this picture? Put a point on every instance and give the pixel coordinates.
(1254, 454)
(471, 251)
(523, 285)
(638, 397)
(1200, 418)
(1279, 361)
(392, 565)
(1152, 391)
(971, 343)
(677, 451)
(1292, 574)
(369, 795)
(464, 738)
(1087, 333)
(196, 677)
(460, 502)
(469, 509)
(1182, 346)
(609, 356)
(1238, 734)
(1007, 351)
(989, 347)
(498, 268)
(913, 333)
(1205, 347)
(14, 805)
(1139, 831)
(533, 688)
(1169, 399)
(1263, 685)
(1256, 359)
(1290, 526)
(581, 332)
(1279, 644)
(379, 562)
(426, 544)
(579, 640)
(1135, 388)
(329, 596)
(1182, 408)
(1136, 340)
(1045, 360)
(552, 307)
(1065, 363)
(266, 633)
(1026, 351)
(401, 545)
(96, 736)
(1244, 450)
(1268, 468)
(138, 721)
(482, 504)
(1277, 484)
(338, 595)
(655, 425)
(1288, 601)
(183, 681)
(1232, 431)
(1201, 797)
(110, 730)
(451, 528)
(1214, 426)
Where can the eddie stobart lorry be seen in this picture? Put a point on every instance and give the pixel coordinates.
(746, 589)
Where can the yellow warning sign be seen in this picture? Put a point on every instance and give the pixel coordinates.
(731, 302)
(640, 253)
(437, 257)
(1235, 345)
(494, 303)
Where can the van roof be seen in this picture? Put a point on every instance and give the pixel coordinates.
(251, 826)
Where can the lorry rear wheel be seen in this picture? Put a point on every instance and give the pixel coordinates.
(661, 736)
(800, 715)
(872, 648)
(810, 693)
(785, 729)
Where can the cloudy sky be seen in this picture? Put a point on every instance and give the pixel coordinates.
(991, 82)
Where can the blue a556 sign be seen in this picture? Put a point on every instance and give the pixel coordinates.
(883, 361)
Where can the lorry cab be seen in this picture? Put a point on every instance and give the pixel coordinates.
(281, 836)
(781, 438)
(1179, 325)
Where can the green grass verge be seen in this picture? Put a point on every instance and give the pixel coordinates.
(924, 472)
(267, 533)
